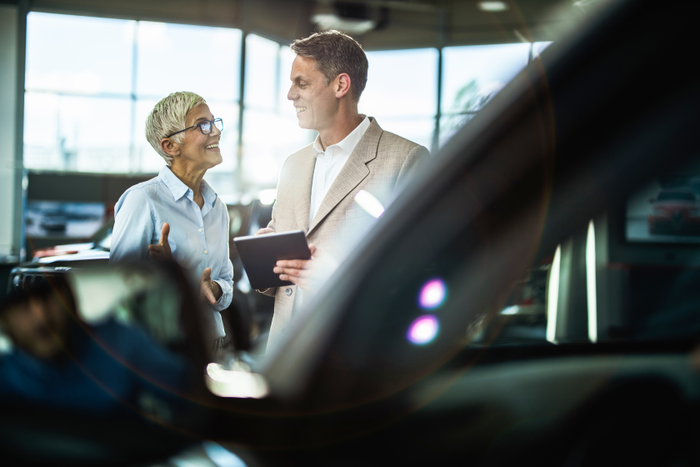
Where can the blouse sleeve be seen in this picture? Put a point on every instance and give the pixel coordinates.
(133, 227)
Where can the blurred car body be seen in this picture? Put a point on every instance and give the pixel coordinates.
(675, 212)
(374, 373)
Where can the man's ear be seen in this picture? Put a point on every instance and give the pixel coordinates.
(170, 147)
(342, 85)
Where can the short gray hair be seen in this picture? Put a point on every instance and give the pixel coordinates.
(168, 116)
(335, 53)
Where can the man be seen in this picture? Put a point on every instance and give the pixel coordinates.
(318, 183)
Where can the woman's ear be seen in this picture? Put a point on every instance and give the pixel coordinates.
(342, 85)
(170, 147)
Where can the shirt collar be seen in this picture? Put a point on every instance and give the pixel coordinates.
(208, 193)
(349, 143)
(179, 189)
(174, 184)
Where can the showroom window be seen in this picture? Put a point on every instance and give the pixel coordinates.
(91, 82)
(401, 92)
(472, 75)
(270, 128)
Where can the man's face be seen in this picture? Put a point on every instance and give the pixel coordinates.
(197, 149)
(315, 103)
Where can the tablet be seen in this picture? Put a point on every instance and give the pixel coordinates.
(259, 253)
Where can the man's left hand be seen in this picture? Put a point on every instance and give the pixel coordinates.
(300, 272)
(208, 289)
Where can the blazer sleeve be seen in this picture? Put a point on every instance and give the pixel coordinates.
(413, 163)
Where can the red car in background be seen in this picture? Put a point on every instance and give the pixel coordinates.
(675, 212)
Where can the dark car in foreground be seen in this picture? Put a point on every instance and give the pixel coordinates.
(416, 352)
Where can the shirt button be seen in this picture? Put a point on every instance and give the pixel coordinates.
(288, 291)
(205, 252)
(200, 230)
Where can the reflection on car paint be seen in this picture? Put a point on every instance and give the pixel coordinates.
(432, 294)
(423, 330)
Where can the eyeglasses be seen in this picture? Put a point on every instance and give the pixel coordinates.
(205, 127)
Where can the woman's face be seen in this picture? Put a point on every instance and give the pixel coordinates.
(199, 151)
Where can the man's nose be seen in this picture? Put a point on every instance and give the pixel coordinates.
(291, 94)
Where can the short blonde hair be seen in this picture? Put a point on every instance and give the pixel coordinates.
(168, 116)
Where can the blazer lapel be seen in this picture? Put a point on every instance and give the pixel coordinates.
(353, 172)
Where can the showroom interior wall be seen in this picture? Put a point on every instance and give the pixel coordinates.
(12, 26)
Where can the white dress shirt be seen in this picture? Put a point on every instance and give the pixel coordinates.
(198, 237)
(330, 162)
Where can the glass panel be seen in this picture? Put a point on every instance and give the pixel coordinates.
(263, 155)
(401, 83)
(474, 73)
(419, 130)
(450, 124)
(41, 132)
(149, 161)
(59, 58)
(85, 134)
(175, 57)
(261, 72)
(223, 182)
(284, 105)
(229, 137)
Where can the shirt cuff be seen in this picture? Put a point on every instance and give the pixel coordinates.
(226, 295)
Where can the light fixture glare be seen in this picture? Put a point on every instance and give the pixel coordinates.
(493, 6)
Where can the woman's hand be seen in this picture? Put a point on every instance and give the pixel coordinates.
(208, 289)
(161, 251)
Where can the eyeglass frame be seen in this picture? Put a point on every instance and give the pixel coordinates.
(211, 122)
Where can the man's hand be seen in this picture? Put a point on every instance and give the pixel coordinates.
(208, 289)
(264, 231)
(161, 251)
(300, 272)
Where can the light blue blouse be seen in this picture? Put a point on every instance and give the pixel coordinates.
(198, 237)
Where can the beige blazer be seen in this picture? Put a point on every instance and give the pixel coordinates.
(380, 164)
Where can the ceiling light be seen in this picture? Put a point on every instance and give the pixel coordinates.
(493, 6)
(344, 16)
(351, 26)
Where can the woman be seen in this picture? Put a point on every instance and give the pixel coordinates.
(177, 214)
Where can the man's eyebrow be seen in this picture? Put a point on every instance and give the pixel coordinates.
(204, 118)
